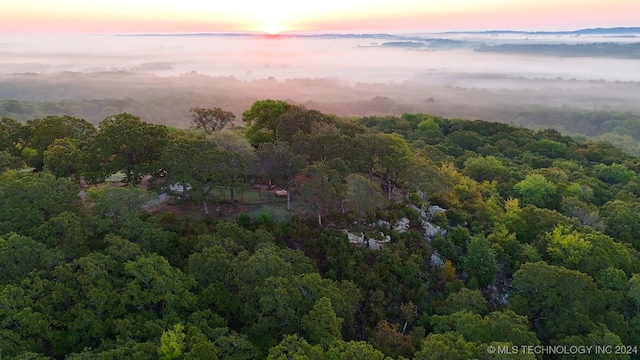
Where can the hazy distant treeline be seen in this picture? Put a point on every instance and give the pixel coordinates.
(611, 50)
(608, 110)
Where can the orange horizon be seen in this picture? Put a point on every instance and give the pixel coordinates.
(134, 16)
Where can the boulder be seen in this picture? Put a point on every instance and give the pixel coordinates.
(402, 225)
(431, 230)
(435, 260)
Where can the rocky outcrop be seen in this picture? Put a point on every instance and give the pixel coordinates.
(431, 230)
(376, 242)
(402, 226)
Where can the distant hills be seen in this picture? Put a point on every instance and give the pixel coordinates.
(588, 31)
(608, 50)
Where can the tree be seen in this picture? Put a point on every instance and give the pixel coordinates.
(30, 199)
(567, 248)
(480, 261)
(325, 143)
(283, 302)
(370, 149)
(325, 189)
(67, 232)
(321, 325)
(119, 211)
(295, 347)
(424, 177)
(622, 220)
(614, 173)
(156, 286)
(172, 343)
(210, 265)
(45, 131)
(299, 120)
(251, 272)
(497, 326)
(449, 345)
(262, 120)
(465, 299)
(558, 302)
(120, 206)
(396, 162)
(20, 254)
(537, 191)
(241, 156)
(14, 136)
(63, 158)
(601, 336)
(341, 350)
(8, 161)
(429, 130)
(484, 168)
(278, 162)
(126, 143)
(448, 272)
(634, 291)
(388, 339)
(363, 196)
(211, 120)
(194, 165)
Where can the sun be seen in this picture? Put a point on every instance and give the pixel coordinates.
(272, 28)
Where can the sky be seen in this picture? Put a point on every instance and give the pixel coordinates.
(291, 16)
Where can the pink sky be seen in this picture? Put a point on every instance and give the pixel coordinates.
(137, 16)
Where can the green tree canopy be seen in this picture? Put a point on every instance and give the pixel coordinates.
(480, 260)
(536, 190)
(125, 143)
(45, 131)
(211, 120)
(262, 119)
(30, 199)
(278, 162)
(558, 302)
(363, 196)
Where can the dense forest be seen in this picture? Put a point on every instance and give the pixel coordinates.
(303, 235)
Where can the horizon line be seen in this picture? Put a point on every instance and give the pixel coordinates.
(612, 30)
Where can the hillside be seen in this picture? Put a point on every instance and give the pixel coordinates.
(403, 237)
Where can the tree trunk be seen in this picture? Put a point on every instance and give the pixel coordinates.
(319, 219)
(389, 188)
(206, 206)
(288, 200)
(424, 202)
(233, 197)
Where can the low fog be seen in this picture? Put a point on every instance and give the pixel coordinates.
(491, 76)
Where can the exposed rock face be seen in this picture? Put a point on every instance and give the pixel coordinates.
(434, 209)
(435, 260)
(384, 224)
(374, 243)
(431, 230)
(429, 212)
(354, 239)
(423, 214)
(402, 226)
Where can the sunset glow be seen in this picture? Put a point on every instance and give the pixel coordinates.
(279, 16)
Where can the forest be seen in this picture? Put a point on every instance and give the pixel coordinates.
(296, 234)
(599, 110)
